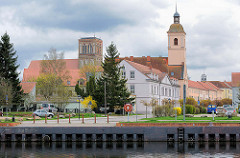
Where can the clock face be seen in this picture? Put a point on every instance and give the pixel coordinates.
(176, 19)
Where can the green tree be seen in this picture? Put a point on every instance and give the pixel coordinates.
(52, 83)
(80, 91)
(91, 86)
(227, 101)
(8, 68)
(205, 103)
(5, 93)
(117, 93)
(189, 100)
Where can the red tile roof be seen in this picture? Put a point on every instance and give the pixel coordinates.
(33, 71)
(235, 79)
(229, 84)
(196, 84)
(207, 86)
(219, 84)
(147, 70)
(27, 87)
(160, 63)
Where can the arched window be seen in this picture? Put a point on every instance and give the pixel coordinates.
(175, 41)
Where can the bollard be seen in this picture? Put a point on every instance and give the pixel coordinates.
(34, 118)
(58, 118)
(45, 118)
(69, 118)
(108, 118)
(82, 118)
(95, 119)
(13, 118)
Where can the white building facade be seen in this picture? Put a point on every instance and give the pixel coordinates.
(146, 83)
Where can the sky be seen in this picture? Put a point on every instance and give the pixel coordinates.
(137, 27)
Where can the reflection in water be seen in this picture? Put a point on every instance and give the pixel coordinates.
(120, 149)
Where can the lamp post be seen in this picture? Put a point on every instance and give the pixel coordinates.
(79, 108)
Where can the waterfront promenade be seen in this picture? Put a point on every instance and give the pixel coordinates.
(88, 122)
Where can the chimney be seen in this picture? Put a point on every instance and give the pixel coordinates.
(148, 59)
(131, 58)
(149, 64)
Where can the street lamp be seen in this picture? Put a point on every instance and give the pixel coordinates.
(79, 108)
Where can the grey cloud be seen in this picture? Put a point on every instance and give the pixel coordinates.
(86, 16)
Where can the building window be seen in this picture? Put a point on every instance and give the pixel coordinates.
(68, 82)
(162, 90)
(172, 73)
(132, 75)
(81, 82)
(175, 41)
(123, 74)
(132, 89)
(170, 94)
(166, 91)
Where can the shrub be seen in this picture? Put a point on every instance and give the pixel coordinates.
(227, 101)
(205, 103)
(190, 109)
(164, 110)
(197, 110)
(189, 101)
(179, 110)
(202, 110)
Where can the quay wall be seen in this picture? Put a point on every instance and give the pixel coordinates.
(161, 134)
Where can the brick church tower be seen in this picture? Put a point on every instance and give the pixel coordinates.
(90, 51)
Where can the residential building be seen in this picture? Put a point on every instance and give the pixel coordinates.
(34, 70)
(175, 64)
(146, 83)
(203, 91)
(235, 88)
(90, 52)
(225, 86)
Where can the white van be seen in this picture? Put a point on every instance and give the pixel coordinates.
(49, 107)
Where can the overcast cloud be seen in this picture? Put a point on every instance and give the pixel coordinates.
(137, 27)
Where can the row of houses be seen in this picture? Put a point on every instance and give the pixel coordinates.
(148, 77)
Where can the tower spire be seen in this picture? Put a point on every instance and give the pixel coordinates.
(176, 6)
(176, 16)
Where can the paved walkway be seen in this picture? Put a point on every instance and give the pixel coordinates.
(88, 122)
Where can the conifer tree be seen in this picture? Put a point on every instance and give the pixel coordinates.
(8, 68)
(116, 91)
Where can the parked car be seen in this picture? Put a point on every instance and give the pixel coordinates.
(211, 108)
(220, 110)
(49, 107)
(226, 106)
(1, 113)
(42, 113)
(230, 111)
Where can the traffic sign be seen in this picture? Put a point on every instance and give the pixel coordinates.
(128, 107)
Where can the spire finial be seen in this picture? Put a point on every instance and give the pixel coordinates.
(176, 6)
(176, 16)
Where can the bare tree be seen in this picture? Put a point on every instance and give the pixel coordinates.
(153, 103)
(52, 83)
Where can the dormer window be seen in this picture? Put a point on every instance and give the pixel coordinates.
(175, 41)
(68, 82)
